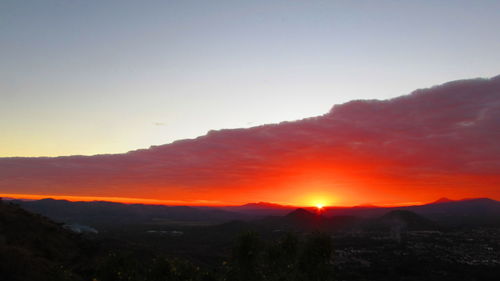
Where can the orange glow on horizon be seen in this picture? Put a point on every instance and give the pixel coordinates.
(117, 199)
(128, 200)
(361, 153)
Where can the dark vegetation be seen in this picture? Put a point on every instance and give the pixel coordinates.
(35, 248)
(301, 245)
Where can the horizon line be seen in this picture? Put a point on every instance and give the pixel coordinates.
(197, 203)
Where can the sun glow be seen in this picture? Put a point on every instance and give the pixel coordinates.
(320, 202)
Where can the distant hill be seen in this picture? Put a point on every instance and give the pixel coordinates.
(466, 212)
(442, 212)
(263, 205)
(405, 220)
(442, 200)
(304, 220)
(301, 214)
(100, 212)
(261, 209)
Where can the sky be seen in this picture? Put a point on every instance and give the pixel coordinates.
(230, 102)
(437, 142)
(98, 77)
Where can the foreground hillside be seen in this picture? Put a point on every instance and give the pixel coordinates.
(398, 245)
(34, 248)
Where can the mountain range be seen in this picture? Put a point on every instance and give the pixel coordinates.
(466, 212)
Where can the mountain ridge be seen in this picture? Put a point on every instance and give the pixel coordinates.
(453, 212)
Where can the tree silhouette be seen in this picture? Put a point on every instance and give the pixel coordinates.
(281, 258)
(246, 255)
(314, 261)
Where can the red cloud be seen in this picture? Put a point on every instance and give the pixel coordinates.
(442, 141)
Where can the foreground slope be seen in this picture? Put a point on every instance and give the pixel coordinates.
(33, 247)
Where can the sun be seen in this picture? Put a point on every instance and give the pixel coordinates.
(320, 202)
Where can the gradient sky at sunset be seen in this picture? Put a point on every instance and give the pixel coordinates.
(207, 83)
(436, 142)
(88, 77)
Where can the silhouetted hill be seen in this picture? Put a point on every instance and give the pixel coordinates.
(406, 220)
(473, 211)
(102, 213)
(299, 219)
(262, 205)
(301, 214)
(305, 221)
(466, 212)
(261, 209)
(441, 213)
(33, 247)
(442, 200)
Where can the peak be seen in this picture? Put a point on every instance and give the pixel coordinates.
(484, 200)
(263, 204)
(47, 200)
(442, 200)
(464, 200)
(475, 198)
(402, 215)
(300, 212)
(267, 204)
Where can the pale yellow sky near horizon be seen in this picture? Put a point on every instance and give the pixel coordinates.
(93, 77)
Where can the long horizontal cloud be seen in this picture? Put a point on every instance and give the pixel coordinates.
(446, 134)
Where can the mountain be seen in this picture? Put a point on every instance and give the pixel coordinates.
(465, 212)
(301, 214)
(406, 220)
(105, 213)
(298, 219)
(304, 220)
(265, 205)
(33, 247)
(261, 209)
(442, 200)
